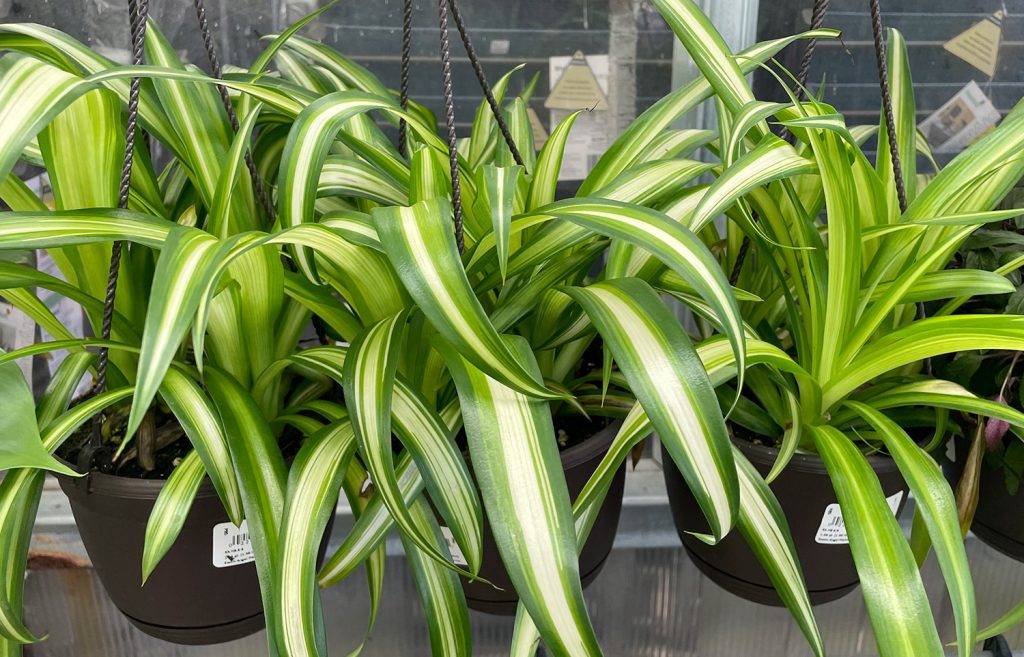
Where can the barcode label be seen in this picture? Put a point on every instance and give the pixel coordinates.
(458, 558)
(231, 545)
(832, 529)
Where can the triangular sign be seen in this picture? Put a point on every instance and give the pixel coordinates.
(578, 88)
(540, 135)
(978, 45)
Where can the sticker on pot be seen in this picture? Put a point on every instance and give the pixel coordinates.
(832, 529)
(458, 558)
(231, 545)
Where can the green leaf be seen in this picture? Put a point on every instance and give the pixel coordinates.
(938, 510)
(763, 525)
(183, 277)
(170, 510)
(313, 484)
(674, 245)
(199, 419)
(309, 140)
(496, 195)
(1007, 622)
(32, 92)
(20, 492)
(904, 109)
(897, 604)
(530, 512)
(22, 446)
(261, 475)
(709, 52)
(644, 132)
(669, 381)
(772, 159)
(441, 594)
(923, 339)
(549, 164)
(420, 243)
(44, 230)
(369, 381)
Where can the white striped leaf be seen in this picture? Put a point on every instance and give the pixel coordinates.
(483, 137)
(314, 481)
(772, 159)
(369, 382)
(441, 594)
(645, 130)
(896, 601)
(371, 528)
(496, 196)
(309, 140)
(674, 245)
(183, 276)
(421, 246)
(763, 525)
(709, 52)
(923, 339)
(170, 511)
(201, 424)
(526, 499)
(261, 473)
(549, 164)
(669, 381)
(935, 503)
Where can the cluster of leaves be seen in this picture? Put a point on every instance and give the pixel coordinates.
(817, 340)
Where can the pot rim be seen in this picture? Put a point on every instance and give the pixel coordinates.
(594, 446)
(805, 461)
(101, 483)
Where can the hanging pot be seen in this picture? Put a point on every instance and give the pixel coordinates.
(579, 462)
(997, 520)
(205, 590)
(805, 493)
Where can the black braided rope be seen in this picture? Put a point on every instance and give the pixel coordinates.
(482, 79)
(817, 20)
(403, 78)
(138, 11)
(890, 122)
(218, 73)
(449, 115)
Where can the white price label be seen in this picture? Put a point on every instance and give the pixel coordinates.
(231, 545)
(458, 558)
(832, 529)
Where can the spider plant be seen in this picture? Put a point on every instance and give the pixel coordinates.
(838, 269)
(430, 340)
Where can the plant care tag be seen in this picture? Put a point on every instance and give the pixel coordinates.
(458, 558)
(832, 529)
(231, 545)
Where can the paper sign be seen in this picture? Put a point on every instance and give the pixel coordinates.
(832, 529)
(577, 87)
(540, 135)
(979, 44)
(960, 121)
(458, 558)
(591, 134)
(231, 545)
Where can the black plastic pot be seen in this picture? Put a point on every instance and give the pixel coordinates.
(805, 493)
(187, 598)
(998, 520)
(579, 462)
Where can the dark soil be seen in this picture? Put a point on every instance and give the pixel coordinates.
(166, 458)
